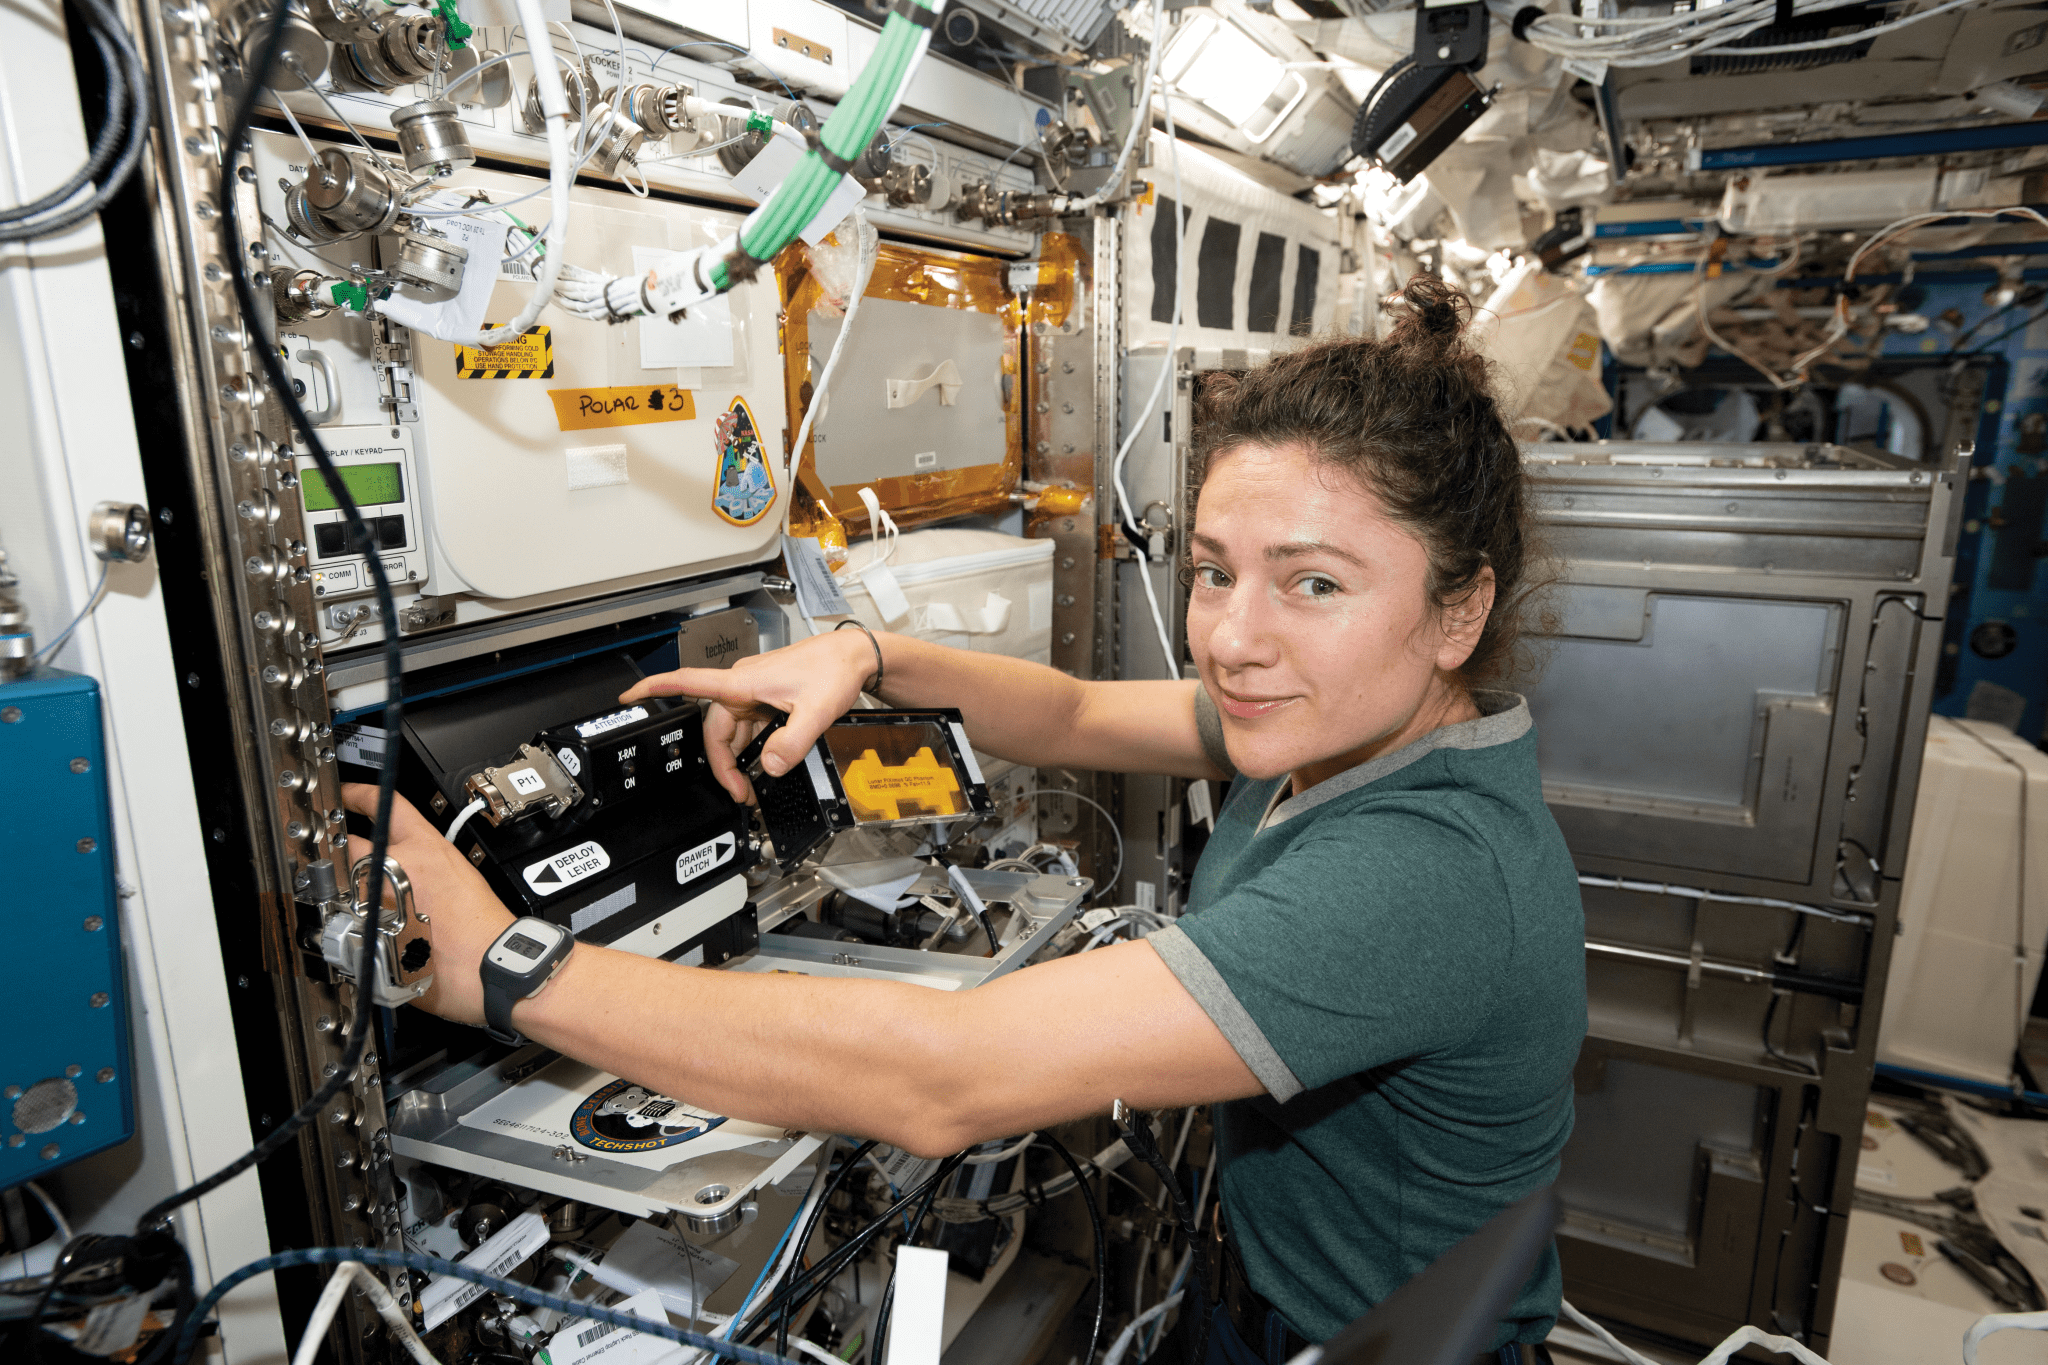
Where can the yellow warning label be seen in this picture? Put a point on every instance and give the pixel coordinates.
(530, 355)
(920, 788)
(583, 409)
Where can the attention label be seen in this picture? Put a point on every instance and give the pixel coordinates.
(588, 409)
(704, 857)
(527, 356)
(591, 729)
(569, 866)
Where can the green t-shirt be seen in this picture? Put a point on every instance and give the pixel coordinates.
(1398, 953)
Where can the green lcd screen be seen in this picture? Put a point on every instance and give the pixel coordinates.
(368, 484)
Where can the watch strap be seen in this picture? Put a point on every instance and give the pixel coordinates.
(499, 998)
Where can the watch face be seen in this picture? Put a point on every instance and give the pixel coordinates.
(524, 946)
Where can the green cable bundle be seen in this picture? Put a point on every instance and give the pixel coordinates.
(846, 135)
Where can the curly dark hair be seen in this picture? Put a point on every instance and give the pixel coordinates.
(1414, 419)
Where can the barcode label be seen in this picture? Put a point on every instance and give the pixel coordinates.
(595, 1333)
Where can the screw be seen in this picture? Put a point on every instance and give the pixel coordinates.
(191, 680)
(93, 924)
(99, 1000)
(106, 1074)
(272, 675)
(81, 765)
(280, 728)
(72, 1072)
(87, 845)
(77, 1117)
(49, 1152)
(15, 1140)
(1067, 638)
(220, 836)
(11, 715)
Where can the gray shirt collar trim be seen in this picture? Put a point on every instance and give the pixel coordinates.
(1503, 717)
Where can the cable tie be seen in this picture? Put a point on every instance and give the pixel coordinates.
(915, 13)
(1524, 17)
(838, 164)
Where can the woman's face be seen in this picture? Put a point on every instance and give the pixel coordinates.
(1310, 619)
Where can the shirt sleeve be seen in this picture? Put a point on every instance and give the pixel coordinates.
(1209, 725)
(1380, 938)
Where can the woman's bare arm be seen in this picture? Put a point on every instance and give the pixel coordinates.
(1025, 712)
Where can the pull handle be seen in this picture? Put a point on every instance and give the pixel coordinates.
(945, 375)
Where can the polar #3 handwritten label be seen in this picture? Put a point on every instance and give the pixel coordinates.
(631, 406)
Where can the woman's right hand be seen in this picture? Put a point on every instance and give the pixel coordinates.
(814, 682)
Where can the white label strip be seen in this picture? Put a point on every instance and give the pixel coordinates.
(446, 1296)
(917, 1323)
(967, 754)
(1397, 142)
(704, 857)
(550, 875)
(591, 729)
(526, 781)
(821, 783)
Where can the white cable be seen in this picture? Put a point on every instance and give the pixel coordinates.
(351, 1273)
(1005, 1154)
(816, 1352)
(1632, 43)
(1168, 659)
(49, 651)
(1108, 819)
(861, 273)
(49, 1206)
(1607, 1338)
(1141, 117)
(455, 826)
(1135, 1325)
(1748, 1335)
(554, 106)
(1998, 1322)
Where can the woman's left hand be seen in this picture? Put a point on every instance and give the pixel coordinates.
(464, 917)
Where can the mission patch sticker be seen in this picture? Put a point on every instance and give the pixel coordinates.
(744, 488)
(623, 1117)
(530, 355)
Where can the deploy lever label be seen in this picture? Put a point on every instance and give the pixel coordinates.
(550, 875)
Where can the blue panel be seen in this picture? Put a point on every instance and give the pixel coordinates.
(2012, 449)
(1939, 142)
(66, 1088)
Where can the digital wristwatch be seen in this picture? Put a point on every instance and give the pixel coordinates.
(517, 964)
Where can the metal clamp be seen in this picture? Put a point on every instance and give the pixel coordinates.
(405, 944)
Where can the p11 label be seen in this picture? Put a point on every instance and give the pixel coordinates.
(704, 857)
(571, 865)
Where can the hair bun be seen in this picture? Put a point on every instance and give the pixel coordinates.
(1432, 313)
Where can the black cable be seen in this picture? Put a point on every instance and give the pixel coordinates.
(30, 221)
(1984, 348)
(188, 1337)
(1137, 1135)
(888, 1302)
(106, 143)
(1101, 1239)
(810, 1225)
(801, 1287)
(380, 835)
